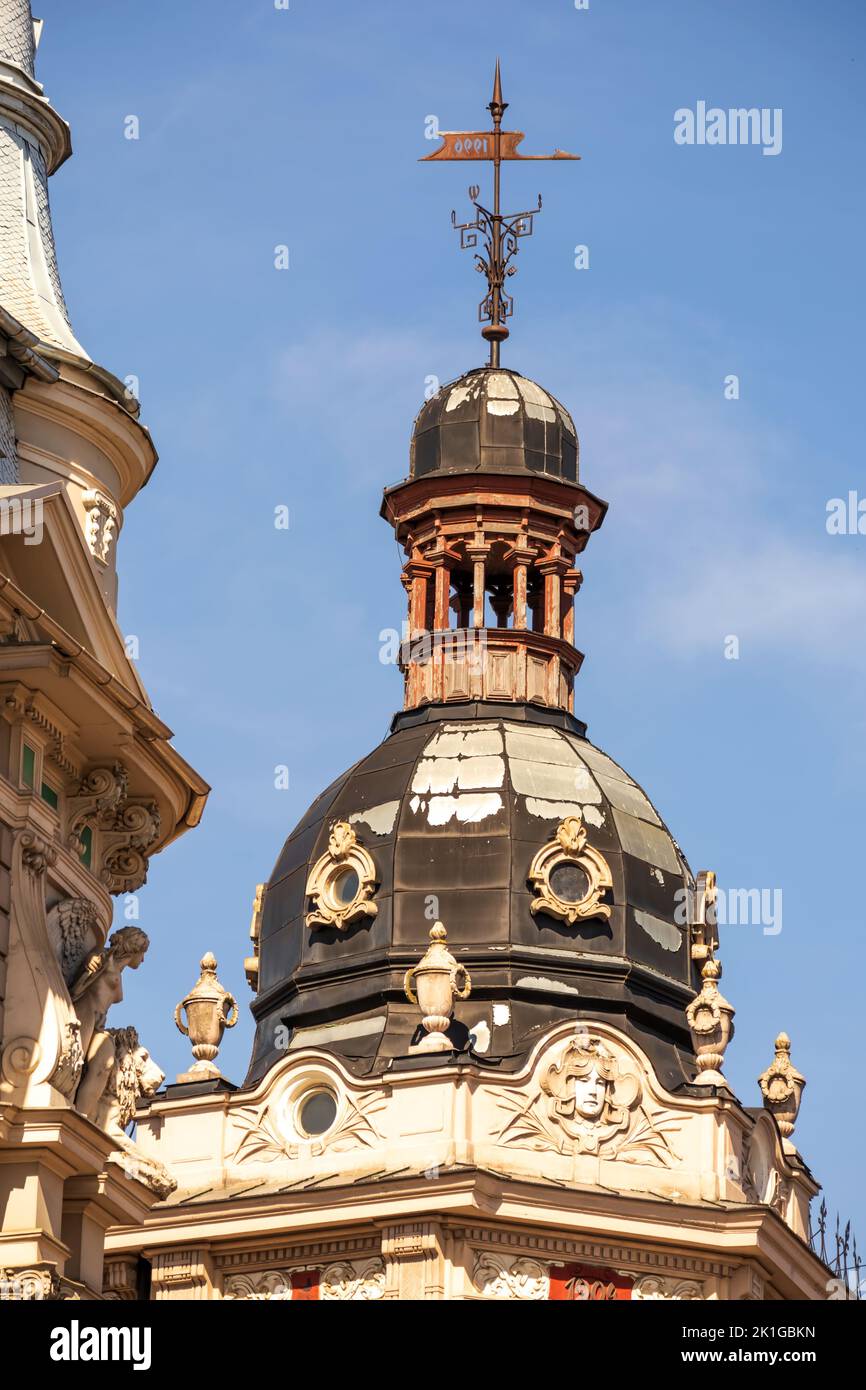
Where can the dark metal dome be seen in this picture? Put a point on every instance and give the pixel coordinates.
(453, 806)
(494, 421)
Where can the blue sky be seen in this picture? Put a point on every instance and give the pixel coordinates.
(261, 127)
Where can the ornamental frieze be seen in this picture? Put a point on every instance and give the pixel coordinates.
(653, 1286)
(505, 1276)
(344, 1280)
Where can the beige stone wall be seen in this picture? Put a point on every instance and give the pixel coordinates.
(450, 1260)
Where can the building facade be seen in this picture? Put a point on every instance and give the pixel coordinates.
(90, 785)
(489, 1049)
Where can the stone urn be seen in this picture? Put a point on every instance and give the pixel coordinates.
(433, 984)
(711, 1022)
(782, 1087)
(210, 1009)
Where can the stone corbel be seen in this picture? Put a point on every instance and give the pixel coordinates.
(127, 828)
(124, 849)
(102, 518)
(120, 1278)
(101, 792)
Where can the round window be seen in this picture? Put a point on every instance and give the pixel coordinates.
(569, 882)
(345, 885)
(316, 1112)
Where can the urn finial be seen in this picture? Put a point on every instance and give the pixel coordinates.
(782, 1087)
(438, 980)
(210, 1009)
(711, 1022)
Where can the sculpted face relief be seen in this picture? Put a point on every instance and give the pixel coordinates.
(589, 1093)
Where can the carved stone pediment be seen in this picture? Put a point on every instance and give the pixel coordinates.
(590, 1100)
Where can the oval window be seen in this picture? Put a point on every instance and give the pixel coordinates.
(569, 882)
(316, 1113)
(345, 885)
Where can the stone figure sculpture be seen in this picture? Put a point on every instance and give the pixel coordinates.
(97, 986)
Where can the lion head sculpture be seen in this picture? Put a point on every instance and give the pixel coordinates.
(134, 1074)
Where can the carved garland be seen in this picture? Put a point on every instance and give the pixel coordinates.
(569, 846)
(341, 882)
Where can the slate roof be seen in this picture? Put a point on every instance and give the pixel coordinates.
(453, 806)
(493, 420)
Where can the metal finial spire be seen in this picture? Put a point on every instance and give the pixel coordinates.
(499, 233)
(497, 105)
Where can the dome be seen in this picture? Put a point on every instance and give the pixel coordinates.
(452, 808)
(494, 421)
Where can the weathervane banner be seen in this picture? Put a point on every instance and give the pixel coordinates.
(480, 144)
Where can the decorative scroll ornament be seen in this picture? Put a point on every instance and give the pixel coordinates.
(652, 1286)
(711, 1021)
(782, 1087)
(70, 1064)
(587, 1104)
(439, 980)
(210, 1009)
(102, 518)
(127, 828)
(342, 881)
(273, 1286)
(29, 1285)
(353, 1282)
(523, 1278)
(37, 854)
(576, 896)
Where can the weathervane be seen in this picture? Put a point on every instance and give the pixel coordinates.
(499, 232)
